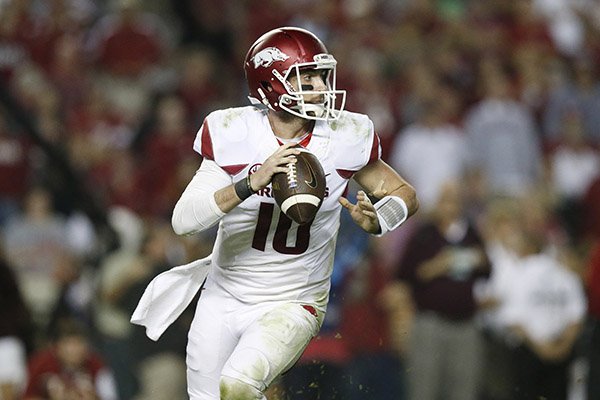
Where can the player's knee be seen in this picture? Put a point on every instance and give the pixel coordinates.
(234, 389)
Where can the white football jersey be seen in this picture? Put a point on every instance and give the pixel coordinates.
(260, 254)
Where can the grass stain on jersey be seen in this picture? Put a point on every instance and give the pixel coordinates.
(231, 115)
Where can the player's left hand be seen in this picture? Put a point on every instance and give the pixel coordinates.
(363, 212)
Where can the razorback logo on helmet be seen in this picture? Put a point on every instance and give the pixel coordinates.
(268, 56)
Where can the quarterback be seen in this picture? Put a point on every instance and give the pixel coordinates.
(267, 281)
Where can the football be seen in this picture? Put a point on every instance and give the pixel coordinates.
(300, 192)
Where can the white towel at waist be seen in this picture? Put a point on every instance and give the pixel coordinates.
(168, 295)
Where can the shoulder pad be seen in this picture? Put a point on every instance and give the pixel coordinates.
(225, 134)
(351, 121)
(356, 142)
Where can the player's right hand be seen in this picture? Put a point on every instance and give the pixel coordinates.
(277, 162)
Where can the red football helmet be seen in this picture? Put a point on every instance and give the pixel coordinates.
(278, 54)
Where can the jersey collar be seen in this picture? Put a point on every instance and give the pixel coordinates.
(303, 142)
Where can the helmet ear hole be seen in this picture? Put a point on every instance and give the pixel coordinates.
(267, 86)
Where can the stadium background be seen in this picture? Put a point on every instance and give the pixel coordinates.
(100, 102)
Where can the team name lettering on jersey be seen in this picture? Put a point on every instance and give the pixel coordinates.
(266, 192)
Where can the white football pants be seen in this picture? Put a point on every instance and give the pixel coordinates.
(248, 344)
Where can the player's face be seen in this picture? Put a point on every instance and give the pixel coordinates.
(310, 80)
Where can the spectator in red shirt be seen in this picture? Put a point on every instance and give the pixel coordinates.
(168, 144)
(128, 42)
(200, 84)
(69, 369)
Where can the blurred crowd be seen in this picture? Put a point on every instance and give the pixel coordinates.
(490, 108)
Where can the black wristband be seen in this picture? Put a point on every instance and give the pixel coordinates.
(249, 185)
(243, 190)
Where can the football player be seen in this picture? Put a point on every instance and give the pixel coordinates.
(268, 285)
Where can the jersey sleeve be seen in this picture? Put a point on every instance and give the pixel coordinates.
(203, 142)
(196, 209)
(225, 138)
(375, 153)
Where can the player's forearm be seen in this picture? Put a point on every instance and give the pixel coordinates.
(408, 194)
(195, 213)
(227, 199)
(380, 180)
(206, 199)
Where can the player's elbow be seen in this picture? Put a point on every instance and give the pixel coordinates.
(412, 202)
(182, 220)
(415, 205)
(178, 229)
(177, 222)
